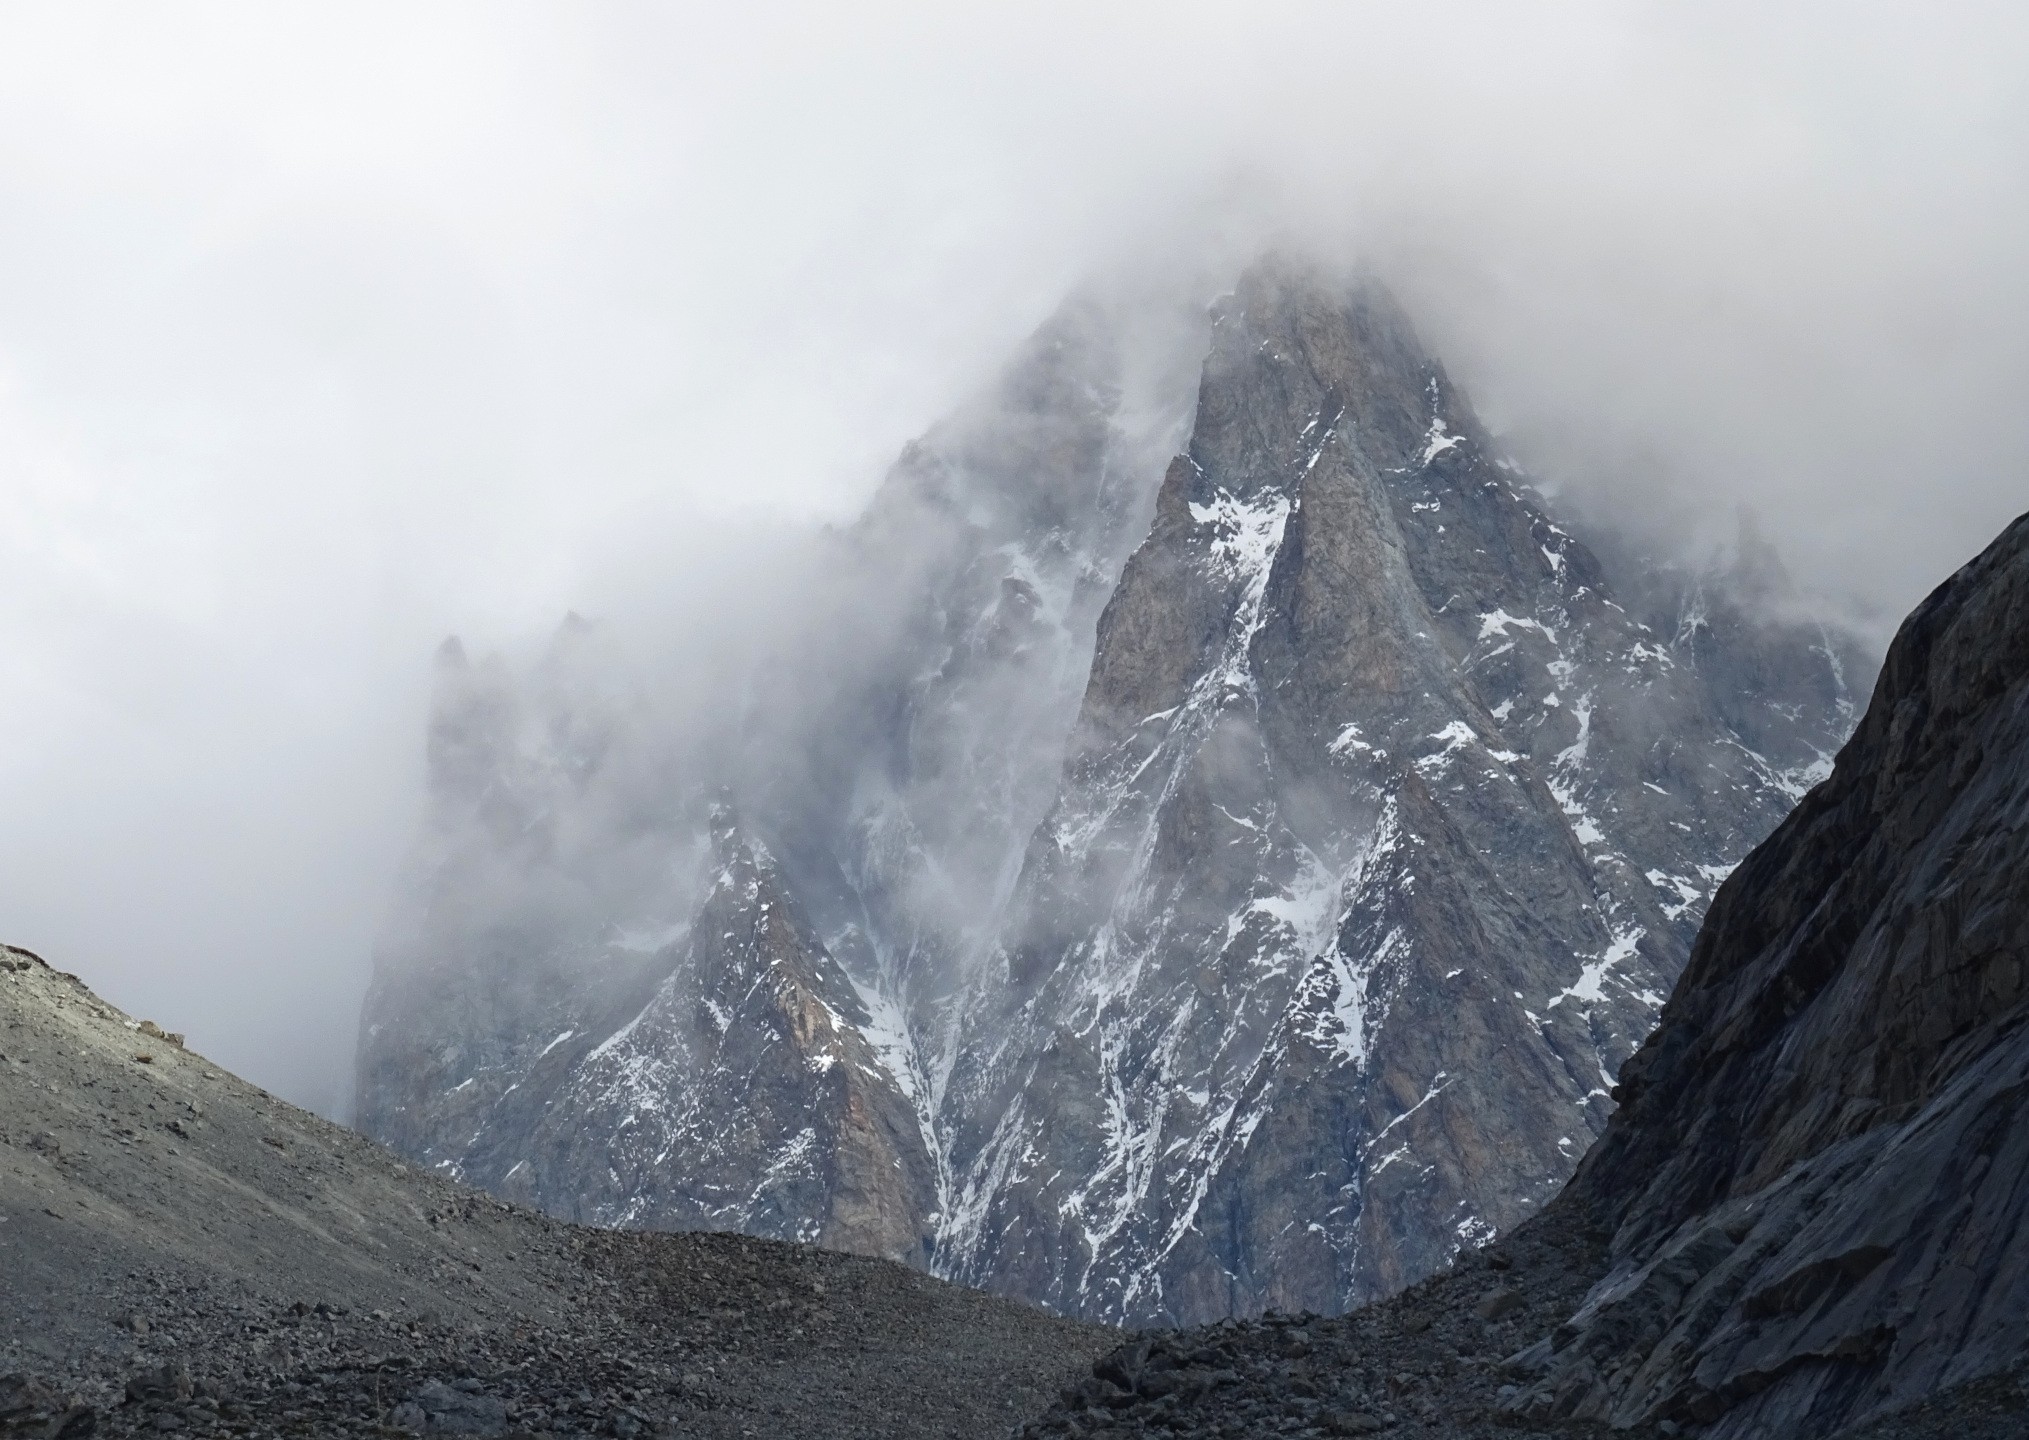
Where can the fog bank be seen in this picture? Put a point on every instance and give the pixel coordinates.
(328, 331)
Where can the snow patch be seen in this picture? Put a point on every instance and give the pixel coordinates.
(1249, 534)
(1436, 440)
(1439, 1083)
(1474, 1233)
(1688, 892)
(1499, 622)
(1592, 978)
(1456, 734)
(1348, 740)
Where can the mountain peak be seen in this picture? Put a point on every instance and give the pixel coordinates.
(1229, 864)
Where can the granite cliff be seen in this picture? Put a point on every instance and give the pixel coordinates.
(1173, 889)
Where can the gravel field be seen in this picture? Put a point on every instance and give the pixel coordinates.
(181, 1252)
(1432, 1363)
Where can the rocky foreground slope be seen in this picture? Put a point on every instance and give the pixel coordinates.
(1807, 1217)
(182, 1253)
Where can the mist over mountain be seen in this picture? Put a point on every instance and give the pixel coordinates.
(1082, 894)
(927, 706)
(336, 329)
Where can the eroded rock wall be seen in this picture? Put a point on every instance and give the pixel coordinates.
(1818, 1179)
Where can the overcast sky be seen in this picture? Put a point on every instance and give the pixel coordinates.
(326, 330)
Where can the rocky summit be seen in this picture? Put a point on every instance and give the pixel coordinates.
(1807, 1216)
(1383, 832)
(1208, 840)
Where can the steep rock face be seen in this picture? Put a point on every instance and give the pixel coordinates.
(1819, 1175)
(1260, 943)
(1384, 831)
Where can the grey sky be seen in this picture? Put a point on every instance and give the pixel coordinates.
(327, 330)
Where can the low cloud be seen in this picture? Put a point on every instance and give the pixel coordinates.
(328, 331)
